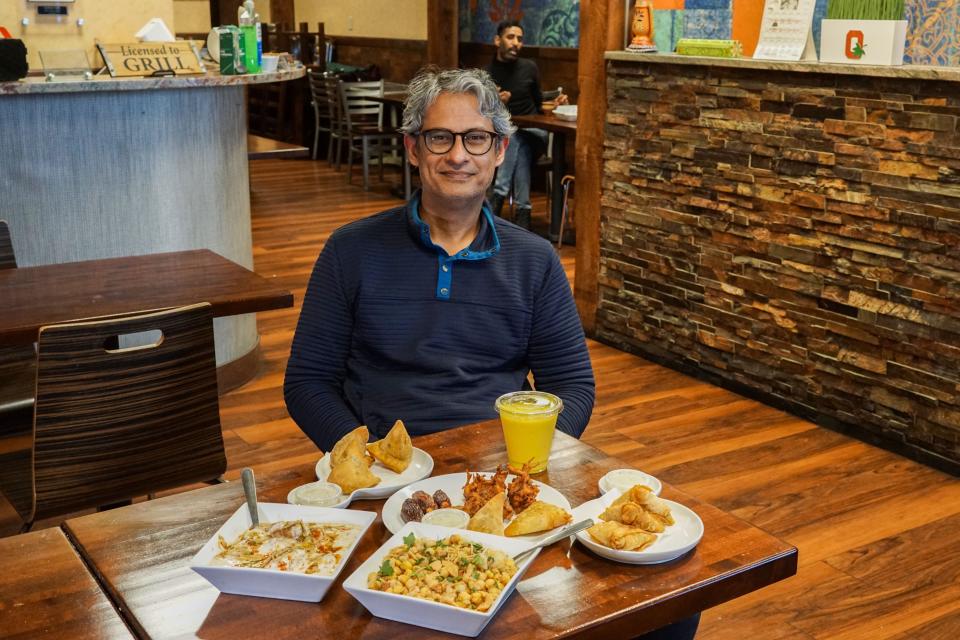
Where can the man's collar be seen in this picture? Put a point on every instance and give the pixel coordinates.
(486, 244)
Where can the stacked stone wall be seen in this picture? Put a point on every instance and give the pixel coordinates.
(796, 235)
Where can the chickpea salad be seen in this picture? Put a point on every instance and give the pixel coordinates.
(450, 571)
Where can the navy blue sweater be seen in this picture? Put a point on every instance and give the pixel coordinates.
(394, 328)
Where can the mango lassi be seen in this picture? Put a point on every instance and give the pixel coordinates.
(528, 419)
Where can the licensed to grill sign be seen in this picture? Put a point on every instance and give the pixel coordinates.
(151, 59)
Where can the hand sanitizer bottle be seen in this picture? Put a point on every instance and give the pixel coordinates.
(248, 31)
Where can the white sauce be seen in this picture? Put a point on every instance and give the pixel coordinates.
(319, 494)
(624, 479)
(454, 518)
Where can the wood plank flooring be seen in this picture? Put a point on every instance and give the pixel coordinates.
(878, 534)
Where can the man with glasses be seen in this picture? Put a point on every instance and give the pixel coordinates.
(519, 82)
(430, 311)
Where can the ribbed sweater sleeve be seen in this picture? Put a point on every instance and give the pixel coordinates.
(558, 353)
(313, 386)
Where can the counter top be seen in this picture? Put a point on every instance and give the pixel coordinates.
(39, 84)
(907, 71)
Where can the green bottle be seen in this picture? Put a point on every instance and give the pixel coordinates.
(248, 31)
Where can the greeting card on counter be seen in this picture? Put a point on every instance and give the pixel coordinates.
(786, 31)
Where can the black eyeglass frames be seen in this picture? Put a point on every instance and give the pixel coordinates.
(476, 141)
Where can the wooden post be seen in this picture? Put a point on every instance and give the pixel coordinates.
(601, 29)
(443, 33)
(282, 11)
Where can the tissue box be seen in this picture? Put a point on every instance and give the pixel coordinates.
(863, 41)
(13, 59)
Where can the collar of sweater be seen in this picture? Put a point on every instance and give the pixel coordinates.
(486, 244)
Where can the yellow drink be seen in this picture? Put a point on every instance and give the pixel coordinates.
(528, 419)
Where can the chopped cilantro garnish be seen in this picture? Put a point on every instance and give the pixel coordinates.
(476, 575)
(477, 547)
(386, 569)
(409, 539)
(478, 560)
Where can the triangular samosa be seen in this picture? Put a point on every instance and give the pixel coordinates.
(489, 518)
(539, 516)
(352, 474)
(395, 451)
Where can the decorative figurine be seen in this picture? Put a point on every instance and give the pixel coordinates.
(641, 27)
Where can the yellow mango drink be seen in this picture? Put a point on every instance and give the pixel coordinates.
(528, 419)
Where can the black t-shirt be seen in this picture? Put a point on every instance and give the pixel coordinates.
(522, 79)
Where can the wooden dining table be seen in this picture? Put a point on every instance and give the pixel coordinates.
(48, 294)
(47, 592)
(562, 130)
(142, 553)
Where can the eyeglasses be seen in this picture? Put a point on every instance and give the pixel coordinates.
(476, 141)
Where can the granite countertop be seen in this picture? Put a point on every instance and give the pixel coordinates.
(38, 84)
(907, 71)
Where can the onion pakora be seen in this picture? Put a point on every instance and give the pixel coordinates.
(479, 490)
(522, 492)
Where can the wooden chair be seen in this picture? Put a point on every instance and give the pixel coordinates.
(363, 124)
(323, 115)
(17, 364)
(111, 423)
(332, 95)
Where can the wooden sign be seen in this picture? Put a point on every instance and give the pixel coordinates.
(151, 59)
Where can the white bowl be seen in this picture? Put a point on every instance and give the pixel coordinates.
(421, 466)
(271, 583)
(457, 519)
(675, 541)
(623, 479)
(566, 112)
(426, 613)
(269, 63)
(296, 496)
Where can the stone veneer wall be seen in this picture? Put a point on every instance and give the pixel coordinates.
(792, 235)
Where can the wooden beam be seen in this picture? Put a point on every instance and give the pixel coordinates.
(281, 12)
(443, 33)
(601, 29)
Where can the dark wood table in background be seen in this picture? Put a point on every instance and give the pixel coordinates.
(560, 129)
(47, 592)
(32, 297)
(142, 554)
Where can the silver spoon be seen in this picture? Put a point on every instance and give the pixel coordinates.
(250, 490)
(566, 532)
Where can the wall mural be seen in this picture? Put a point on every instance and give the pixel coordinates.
(546, 23)
(933, 36)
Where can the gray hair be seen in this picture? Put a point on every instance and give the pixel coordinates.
(429, 83)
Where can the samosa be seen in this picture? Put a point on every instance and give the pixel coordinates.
(352, 474)
(489, 518)
(352, 444)
(539, 516)
(395, 451)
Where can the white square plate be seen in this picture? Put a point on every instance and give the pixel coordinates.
(271, 583)
(426, 613)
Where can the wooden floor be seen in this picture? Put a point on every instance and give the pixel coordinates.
(879, 536)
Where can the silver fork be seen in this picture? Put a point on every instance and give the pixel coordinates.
(566, 532)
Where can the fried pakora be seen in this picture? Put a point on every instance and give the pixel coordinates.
(479, 490)
(522, 492)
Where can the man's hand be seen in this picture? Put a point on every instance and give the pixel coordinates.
(562, 99)
(504, 96)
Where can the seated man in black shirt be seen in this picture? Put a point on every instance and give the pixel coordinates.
(519, 82)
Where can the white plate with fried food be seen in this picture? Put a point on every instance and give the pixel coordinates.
(667, 532)
(526, 493)
(421, 466)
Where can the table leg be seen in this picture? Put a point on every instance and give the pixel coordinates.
(558, 151)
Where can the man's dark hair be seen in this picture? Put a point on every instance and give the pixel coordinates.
(506, 24)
